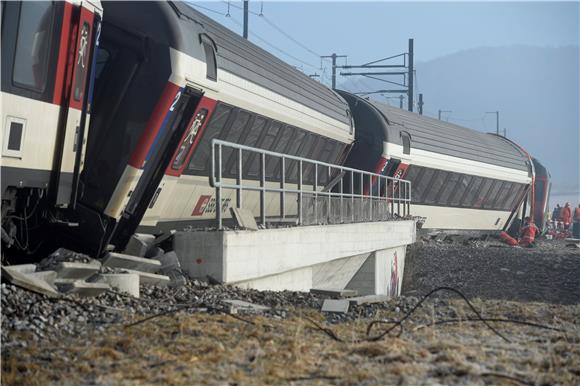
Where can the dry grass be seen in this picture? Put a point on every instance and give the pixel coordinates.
(203, 349)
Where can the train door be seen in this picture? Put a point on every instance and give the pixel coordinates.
(156, 163)
(81, 29)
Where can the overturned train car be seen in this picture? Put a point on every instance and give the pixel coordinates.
(164, 81)
(461, 179)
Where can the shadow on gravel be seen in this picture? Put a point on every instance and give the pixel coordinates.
(549, 273)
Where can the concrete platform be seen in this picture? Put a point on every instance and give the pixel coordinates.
(365, 257)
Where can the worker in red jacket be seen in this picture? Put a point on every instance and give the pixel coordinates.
(566, 215)
(529, 232)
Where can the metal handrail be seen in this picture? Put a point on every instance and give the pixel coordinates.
(217, 181)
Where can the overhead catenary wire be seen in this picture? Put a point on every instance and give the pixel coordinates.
(253, 34)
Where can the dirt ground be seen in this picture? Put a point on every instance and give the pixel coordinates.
(442, 343)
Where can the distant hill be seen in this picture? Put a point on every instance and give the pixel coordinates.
(536, 90)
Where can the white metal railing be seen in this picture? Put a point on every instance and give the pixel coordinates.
(377, 197)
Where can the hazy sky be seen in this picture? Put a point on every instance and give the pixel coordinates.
(370, 30)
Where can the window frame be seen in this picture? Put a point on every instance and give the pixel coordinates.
(209, 46)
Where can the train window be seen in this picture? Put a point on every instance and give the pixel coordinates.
(490, 196)
(315, 155)
(420, 188)
(266, 142)
(296, 145)
(251, 139)
(406, 138)
(435, 186)
(13, 137)
(502, 196)
(209, 48)
(229, 155)
(481, 194)
(283, 143)
(515, 196)
(200, 159)
(33, 45)
(448, 190)
(470, 196)
(460, 190)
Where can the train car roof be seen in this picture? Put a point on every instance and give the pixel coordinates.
(446, 138)
(179, 25)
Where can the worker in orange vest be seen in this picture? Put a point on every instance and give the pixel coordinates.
(529, 232)
(577, 213)
(566, 215)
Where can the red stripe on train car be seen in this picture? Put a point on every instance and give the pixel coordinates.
(65, 41)
(153, 125)
(379, 169)
(204, 103)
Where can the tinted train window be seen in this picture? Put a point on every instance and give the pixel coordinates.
(251, 139)
(481, 194)
(406, 137)
(201, 156)
(436, 184)
(33, 45)
(471, 195)
(279, 145)
(420, 188)
(460, 190)
(502, 196)
(490, 196)
(229, 155)
(450, 187)
(210, 58)
(296, 144)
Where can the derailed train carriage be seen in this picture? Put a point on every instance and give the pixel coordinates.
(167, 80)
(461, 179)
(108, 125)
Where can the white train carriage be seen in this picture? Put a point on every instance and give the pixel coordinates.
(168, 81)
(47, 77)
(461, 179)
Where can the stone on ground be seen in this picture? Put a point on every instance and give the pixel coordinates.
(122, 282)
(240, 306)
(368, 299)
(335, 305)
(147, 278)
(28, 282)
(139, 244)
(72, 271)
(120, 260)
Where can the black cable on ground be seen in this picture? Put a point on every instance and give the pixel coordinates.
(408, 314)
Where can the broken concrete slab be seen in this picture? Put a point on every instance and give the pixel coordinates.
(237, 306)
(122, 282)
(24, 268)
(47, 276)
(120, 260)
(335, 305)
(148, 278)
(334, 292)
(139, 244)
(85, 289)
(72, 271)
(28, 282)
(244, 218)
(368, 299)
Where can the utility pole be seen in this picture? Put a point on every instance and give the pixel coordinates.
(401, 98)
(410, 75)
(407, 71)
(333, 57)
(496, 120)
(246, 19)
(442, 111)
(421, 104)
